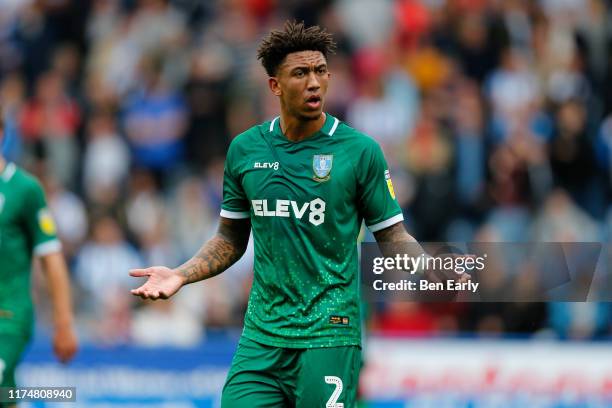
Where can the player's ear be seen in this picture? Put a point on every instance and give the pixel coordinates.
(274, 86)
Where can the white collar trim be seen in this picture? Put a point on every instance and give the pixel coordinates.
(272, 123)
(9, 171)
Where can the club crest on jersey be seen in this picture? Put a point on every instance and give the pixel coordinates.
(322, 165)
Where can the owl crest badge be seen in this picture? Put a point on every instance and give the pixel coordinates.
(322, 165)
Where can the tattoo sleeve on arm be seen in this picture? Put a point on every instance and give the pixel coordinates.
(394, 234)
(220, 252)
(397, 235)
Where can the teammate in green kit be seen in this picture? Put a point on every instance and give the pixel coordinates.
(303, 183)
(26, 231)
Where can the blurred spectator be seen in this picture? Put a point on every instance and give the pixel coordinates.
(469, 118)
(144, 205)
(50, 120)
(477, 45)
(580, 320)
(67, 63)
(106, 160)
(206, 90)
(593, 37)
(404, 318)
(12, 98)
(430, 159)
(101, 271)
(192, 219)
(155, 121)
(367, 23)
(165, 324)
(572, 158)
(401, 318)
(387, 102)
(429, 68)
(121, 41)
(560, 220)
(513, 91)
(33, 39)
(156, 247)
(603, 153)
(114, 55)
(10, 54)
(70, 215)
(413, 19)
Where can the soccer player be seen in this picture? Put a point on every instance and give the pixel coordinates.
(303, 183)
(27, 230)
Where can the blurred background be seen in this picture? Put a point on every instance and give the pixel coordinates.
(495, 118)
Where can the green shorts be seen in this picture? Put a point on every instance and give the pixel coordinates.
(11, 350)
(267, 376)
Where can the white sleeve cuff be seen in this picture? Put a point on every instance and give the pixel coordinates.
(386, 223)
(47, 248)
(235, 215)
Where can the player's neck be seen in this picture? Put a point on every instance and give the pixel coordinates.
(295, 129)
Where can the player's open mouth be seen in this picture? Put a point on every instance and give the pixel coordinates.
(314, 102)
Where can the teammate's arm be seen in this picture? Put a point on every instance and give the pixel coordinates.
(64, 338)
(40, 227)
(216, 255)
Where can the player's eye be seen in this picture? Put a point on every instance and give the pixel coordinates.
(299, 73)
(321, 70)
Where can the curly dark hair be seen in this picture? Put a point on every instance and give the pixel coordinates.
(294, 37)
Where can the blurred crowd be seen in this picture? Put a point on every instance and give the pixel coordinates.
(495, 117)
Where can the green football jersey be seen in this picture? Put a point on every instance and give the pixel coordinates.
(306, 201)
(26, 229)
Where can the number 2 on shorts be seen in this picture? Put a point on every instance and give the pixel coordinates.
(331, 402)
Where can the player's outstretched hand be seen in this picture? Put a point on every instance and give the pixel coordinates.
(65, 343)
(162, 282)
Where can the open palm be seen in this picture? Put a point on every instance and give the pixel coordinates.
(162, 282)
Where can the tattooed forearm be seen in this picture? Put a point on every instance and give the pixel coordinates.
(391, 241)
(394, 233)
(219, 253)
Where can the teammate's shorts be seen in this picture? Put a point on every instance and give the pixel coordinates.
(11, 350)
(271, 377)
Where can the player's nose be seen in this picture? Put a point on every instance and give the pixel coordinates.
(313, 82)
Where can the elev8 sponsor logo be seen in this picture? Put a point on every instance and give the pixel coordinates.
(266, 165)
(288, 208)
